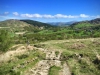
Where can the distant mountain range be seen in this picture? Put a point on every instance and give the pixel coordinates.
(21, 25)
(62, 23)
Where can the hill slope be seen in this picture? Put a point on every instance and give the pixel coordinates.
(36, 23)
(86, 24)
(15, 25)
(54, 57)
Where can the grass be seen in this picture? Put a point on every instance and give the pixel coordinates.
(57, 53)
(21, 63)
(80, 54)
(84, 65)
(54, 70)
(83, 25)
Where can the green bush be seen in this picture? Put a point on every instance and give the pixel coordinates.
(54, 70)
(5, 40)
(22, 56)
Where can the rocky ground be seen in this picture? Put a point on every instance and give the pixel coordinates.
(42, 68)
(80, 57)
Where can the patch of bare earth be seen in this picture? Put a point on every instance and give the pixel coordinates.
(42, 68)
(9, 55)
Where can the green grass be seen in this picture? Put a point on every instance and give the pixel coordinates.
(54, 70)
(85, 65)
(57, 52)
(21, 63)
(73, 48)
(81, 25)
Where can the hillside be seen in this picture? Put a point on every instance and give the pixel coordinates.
(15, 25)
(49, 51)
(38, 24)
(54, 57)
(86, 24)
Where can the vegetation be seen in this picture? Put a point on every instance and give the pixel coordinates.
(80, 56)
(36, 23)
(5, 40)
(79, 44)
(21, 63)
(54, 70)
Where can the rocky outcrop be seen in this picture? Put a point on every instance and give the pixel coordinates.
(42, 68)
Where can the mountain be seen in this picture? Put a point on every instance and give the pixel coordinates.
(62, 23)
(23, 25)
(86, 24)
(13, 23)
(95, 21)
(38, 24)
(16, 25)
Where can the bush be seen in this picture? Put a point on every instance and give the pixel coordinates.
(5, 40)
(54, 70)
(22, 56)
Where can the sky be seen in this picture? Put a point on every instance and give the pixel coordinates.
(50, 10)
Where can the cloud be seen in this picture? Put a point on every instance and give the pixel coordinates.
(15, 13)
(60, 16)
(31, 15)
(47, 16)
(4, 14)
(84, 16)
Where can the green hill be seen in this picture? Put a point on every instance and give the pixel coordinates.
(86, 24)
(15, 25)
(36, 23)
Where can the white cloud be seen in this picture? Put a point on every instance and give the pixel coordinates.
(47, 16)
(60, 16)
(31, 15)
(84, 16)
(6, 13)
(70, 16)
(64, 16)
(15, 13)
(27, 15)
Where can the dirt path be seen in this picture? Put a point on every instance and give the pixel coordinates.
(66, 70)
(42, 68)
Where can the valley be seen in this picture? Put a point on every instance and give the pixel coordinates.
(33, 48)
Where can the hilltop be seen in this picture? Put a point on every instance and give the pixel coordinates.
(15, 25)
(23, 25)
